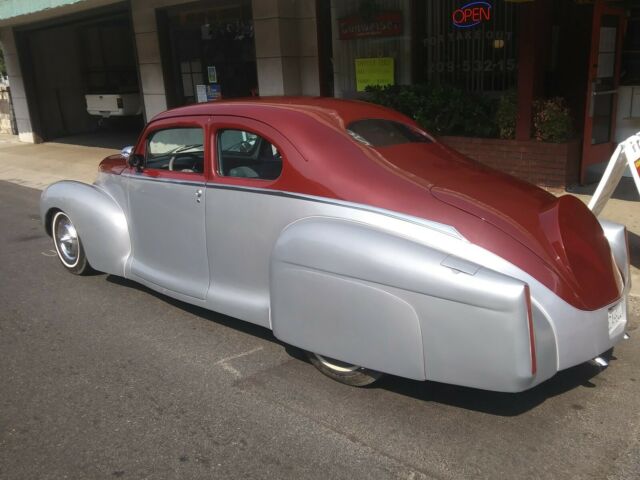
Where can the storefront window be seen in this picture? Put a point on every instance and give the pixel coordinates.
(211, 51)
(631, 50)
(470, 44)
(371, 44)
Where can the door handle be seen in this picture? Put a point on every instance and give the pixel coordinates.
(199, 195)
(604, 92)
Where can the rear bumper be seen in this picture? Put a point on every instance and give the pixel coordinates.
(577, 336)
(488, 353)
(566, 336)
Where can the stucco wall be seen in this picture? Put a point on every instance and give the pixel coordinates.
(18, 94)
(286, 49)
(6, 123)
(285, 35)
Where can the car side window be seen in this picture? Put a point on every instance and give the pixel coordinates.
(245, 154)
(176, 149)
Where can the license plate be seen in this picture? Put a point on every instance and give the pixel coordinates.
(616, 317)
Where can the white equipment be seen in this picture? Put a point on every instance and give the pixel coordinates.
(627, 154)
(114, 105)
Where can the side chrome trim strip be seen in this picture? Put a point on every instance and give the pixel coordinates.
(440, 227)
(165, 180)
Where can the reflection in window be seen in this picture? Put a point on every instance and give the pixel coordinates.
(383, 133)
(176, 149)
(247, 155)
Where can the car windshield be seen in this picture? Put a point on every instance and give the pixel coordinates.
(382, 133)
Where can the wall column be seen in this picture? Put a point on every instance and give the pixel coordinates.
(152, 86)
(286, 47)
(534, 22)
(16, 83)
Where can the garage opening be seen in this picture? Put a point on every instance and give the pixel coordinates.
(82, 81)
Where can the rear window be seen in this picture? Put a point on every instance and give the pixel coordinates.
(383, 133)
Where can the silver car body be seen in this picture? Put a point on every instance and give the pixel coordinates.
(375, 288)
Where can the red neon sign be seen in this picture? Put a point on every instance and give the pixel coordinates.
(471, 14)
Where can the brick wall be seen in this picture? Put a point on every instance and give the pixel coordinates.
(546, 164)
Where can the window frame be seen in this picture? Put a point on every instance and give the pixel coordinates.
(201, 122)
(256, 127)
(255, 151)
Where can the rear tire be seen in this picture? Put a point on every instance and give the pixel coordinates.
(343, 372)
(68, 245)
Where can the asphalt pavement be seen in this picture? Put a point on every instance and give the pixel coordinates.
(102, 378)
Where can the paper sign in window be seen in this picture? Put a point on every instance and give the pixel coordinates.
(374, 72)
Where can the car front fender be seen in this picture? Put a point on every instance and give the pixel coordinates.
(99, 221)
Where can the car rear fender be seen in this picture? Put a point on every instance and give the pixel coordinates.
(375, 299)
(99, 221)
(616, 235)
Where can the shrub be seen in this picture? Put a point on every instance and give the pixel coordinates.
(441, 109)
(552, 120)
(507, 114)
(448, 110)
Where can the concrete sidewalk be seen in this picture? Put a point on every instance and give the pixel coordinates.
(37, 166)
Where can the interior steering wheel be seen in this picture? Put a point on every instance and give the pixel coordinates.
(172, 164)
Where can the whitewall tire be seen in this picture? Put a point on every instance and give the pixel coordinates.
(68, 244)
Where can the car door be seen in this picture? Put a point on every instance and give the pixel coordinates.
(251, 160)
(167, 201)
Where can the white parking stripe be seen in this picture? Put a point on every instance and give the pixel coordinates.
(223, 363)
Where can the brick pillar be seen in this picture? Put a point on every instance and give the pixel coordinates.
(535, 23)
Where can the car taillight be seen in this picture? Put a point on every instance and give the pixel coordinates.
(532, 338)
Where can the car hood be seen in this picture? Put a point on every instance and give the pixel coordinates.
(561, 232)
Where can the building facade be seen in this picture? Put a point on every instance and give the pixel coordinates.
(169, 53)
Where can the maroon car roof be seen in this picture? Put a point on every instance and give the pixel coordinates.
(339, 111)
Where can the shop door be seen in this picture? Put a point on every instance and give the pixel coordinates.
(602, 90)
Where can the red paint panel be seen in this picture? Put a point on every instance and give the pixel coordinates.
(115, 164)
(532, 337)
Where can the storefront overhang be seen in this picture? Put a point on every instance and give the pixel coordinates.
(19, 12)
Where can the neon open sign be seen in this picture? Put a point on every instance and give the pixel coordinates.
(471, 14)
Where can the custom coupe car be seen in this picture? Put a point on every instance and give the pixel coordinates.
(356, 236)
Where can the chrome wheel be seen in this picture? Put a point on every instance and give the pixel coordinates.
(66, 240)
(343, 372)
(336, 365)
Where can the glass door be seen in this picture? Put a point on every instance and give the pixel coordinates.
(211, 51)
(602, 92)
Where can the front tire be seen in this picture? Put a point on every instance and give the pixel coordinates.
(343, 372)
(68, 245)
